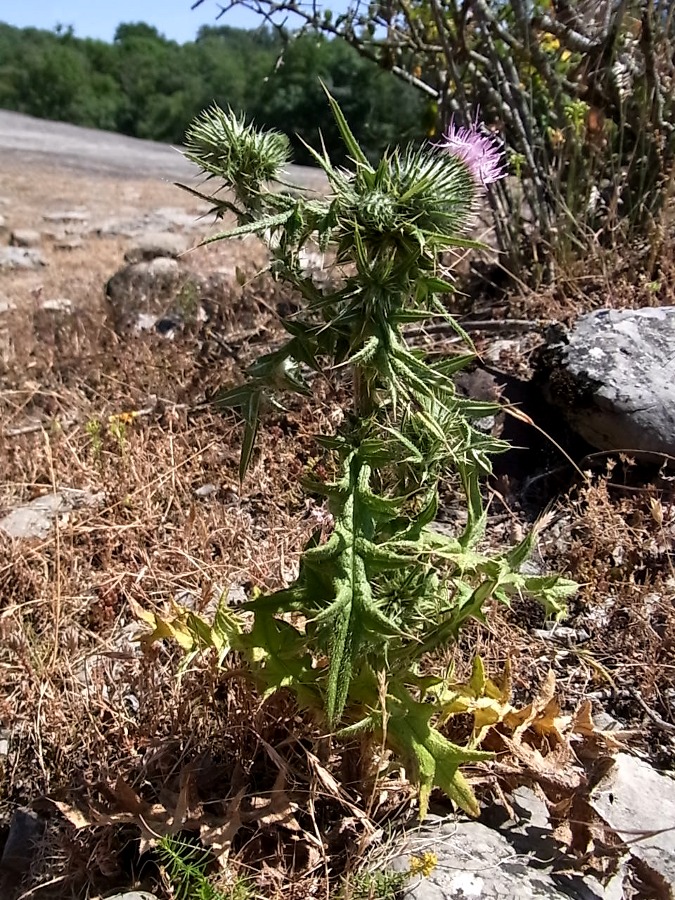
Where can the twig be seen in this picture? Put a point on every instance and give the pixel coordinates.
(501, 325)
(654, 716)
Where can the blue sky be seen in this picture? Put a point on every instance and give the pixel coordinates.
(100, 18)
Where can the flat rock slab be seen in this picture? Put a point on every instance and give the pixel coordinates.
(67, 215)
(36, 519)
(475, 861)
(614, 378)
(25, 237)
(499, 858)
(161, 220)
(21, 258)
(638, 803)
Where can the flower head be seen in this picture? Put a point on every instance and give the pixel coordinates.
(478, 149)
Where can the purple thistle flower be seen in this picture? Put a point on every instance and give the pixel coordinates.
(481, 151)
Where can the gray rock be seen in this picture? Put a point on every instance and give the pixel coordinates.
(517, 859)
(4, 228)
(36, 519)
(205, 491)
(134, 895)
(614, 378)
(20, 258)
(25, 831)
(638, 803)
(164, 219)
(25, 237)
(6, 305)
(58, 304)
(161, 294)
(157, 244)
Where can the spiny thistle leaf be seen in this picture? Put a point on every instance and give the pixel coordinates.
(346, 133)
(434, 758)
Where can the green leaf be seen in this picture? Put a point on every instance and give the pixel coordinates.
(279, 653)
(434, 759)
(350, 141)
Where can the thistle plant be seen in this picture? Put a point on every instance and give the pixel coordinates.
(369, 605)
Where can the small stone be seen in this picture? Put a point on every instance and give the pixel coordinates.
(161, 265)
(157, 244)
(6, 305)
(20, 258)
(206, 491)
(145, 322)
(59, 304)
(236, 595)
(25, 237)
(3, 226)
(69, 244)
(134, 895)
(67, 215)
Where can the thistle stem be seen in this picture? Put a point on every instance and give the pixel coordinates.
(363, 395)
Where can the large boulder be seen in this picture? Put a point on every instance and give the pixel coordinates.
(163, 295)
(613, 377)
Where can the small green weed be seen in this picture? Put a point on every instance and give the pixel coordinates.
(186, 866)
(379, 885)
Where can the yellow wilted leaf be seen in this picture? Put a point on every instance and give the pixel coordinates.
(191, 632)
(543, 715)
(171, 628)
(488, 702)
(123, 418)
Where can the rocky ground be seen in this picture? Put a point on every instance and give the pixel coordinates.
(119, 493)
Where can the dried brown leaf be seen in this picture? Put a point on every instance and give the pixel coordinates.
(219, 837)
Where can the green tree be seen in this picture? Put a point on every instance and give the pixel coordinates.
(147, 86)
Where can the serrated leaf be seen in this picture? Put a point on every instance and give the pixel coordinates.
(278, 652)
(255, 227)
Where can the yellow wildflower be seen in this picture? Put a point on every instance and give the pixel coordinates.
(423, 865)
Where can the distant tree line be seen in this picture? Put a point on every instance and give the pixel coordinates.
(147, 86)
